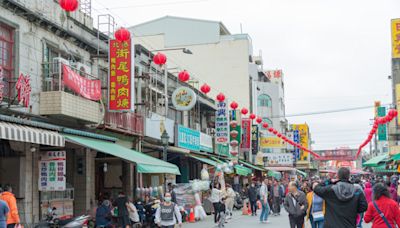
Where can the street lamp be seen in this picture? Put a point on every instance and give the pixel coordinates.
(164, 142)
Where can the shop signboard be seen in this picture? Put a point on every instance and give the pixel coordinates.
(155, 126)
(246, 135)
(254, 139)
(341, 154)
(304, 137)
(396, 38)
(188, 138)
(24, 89)
(398, 102)
(271, 142)
(222, 149)
(121, 74)
(222, 123)
(382, 128)
(279, 159)
(289, 135)
(296, 139)
(87, 88)
(183, 98)
(206, 143)
(52, 171)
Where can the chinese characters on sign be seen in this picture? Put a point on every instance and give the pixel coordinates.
(254, 139)
(271, 142)
(188, 138)
(246, 135)
(303, 139)
(89, 89)
(52, 171)
(121, 74)
(222, 124)
(1, 84)
(296, 139)
(342, 154)
(279, 159)
(274, 74)
(396, 38)
(183, 98)
(24, 89)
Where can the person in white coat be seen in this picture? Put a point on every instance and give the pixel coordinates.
(230, 199)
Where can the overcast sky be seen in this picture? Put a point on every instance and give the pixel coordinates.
(334, 53)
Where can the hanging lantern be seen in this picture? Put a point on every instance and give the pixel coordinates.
(274, 132)
(205, 88)
(234, 105)
(233, 124)
(259, 120)
(271, 129)
(160, 59)
(184, 76)
(234, 143)
(220, 97)
(279, 135)
(245, 111)
(265, 125)
(234, 133)
(252, 116)
(69, 5)
(122, 34)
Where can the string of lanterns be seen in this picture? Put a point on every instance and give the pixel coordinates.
(392, 113)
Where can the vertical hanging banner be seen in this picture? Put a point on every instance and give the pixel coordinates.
(254, 139)
(246, 136)
(382, 128)
(396, 38)
(304, 136)
(52, 171)
(235, 133)
(222, 123)
(296, 139)
(121, 76)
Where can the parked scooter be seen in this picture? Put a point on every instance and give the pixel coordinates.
(53, 222)
(238, 202)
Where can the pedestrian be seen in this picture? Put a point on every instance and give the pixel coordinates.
(103, 214)
(230, 198)
(253, 199)
(3, 213)
(8, 197)
(315, 209)
(368, 192)
(264, 201)
(344, 201)
(171, 188)
(168, 214)
(296, 205)
(133, 213)
(215, 199)
(277, 193)
(122, 204)
(383, 212)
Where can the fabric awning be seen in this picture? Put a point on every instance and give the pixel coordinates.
(144, 163)
(281, 168)
(382, 169)
(22, 133)
(205, 160)
(252, 166)
(242, 170)
(395, 157)
(374, 162)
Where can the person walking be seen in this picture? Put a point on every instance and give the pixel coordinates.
(383, 212)
(122, 204)
(343, 201)
(368, 192)
(315, 210)
(168, 214)
(277, 193)
(103, 214)
(215, 198)
(3, 214)
(296, 205)
(264, 201)
(230, 198)
(8, 197)
(253, 199)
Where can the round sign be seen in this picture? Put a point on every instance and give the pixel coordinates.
(183, 98)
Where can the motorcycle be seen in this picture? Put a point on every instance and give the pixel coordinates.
(53, 222)
(238, 202)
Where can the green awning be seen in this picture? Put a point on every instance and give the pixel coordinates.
(396, 157)
(374, 162)
(382, 169)
(274, 174)
(243, 171)
(252, 166)
(205, 160)
(304, 174)
(144, 163)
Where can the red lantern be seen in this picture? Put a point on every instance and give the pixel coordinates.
(205, 88)
(244, 111)
(220, 97)
(259, 120)
(160, 59)
(265, 125)
(380, 120)
(252, 116)
(279, 135)
(234, 105)
(271, 129)
(392, 112)
(275, 132)
(183, 76)
(69, 5)
(122, 34)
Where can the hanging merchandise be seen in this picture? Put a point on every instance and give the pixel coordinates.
(205, 176)
(160, 59)
(199, 212)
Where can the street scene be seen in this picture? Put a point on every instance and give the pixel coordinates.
(199, 113)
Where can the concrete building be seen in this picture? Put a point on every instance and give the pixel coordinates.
(220, 59)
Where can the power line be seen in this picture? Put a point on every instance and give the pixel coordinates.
(155, 4)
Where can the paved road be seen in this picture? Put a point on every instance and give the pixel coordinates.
(245, 221)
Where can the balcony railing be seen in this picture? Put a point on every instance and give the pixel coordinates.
(127, 123)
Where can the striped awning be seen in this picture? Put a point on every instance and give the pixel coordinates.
(22, 133)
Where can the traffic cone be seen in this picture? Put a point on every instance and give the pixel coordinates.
(245, 209)
(249, 210)
(191, 215)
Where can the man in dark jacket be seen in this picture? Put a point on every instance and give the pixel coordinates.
(343, 201)
(296, 205)
(253, 191)
(276, 194)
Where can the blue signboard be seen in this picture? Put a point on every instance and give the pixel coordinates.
(188, 138)
(296, 139)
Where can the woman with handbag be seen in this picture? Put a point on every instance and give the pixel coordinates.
(383, 212)
(316, 209)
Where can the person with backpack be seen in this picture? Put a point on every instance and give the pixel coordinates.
(383, 212)
(168, 214)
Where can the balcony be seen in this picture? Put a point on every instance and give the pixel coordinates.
(126, 123)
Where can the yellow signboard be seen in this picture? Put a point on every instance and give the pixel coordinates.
(271, 142)
(398, 102)
(396, 38)
(394, 150)
(304, 137)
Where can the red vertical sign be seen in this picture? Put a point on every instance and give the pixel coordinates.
(120, 80)
(246, 135)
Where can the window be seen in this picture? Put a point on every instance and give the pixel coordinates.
(6, 58)
(264, 100)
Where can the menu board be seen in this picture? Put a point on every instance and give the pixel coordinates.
(52, 171)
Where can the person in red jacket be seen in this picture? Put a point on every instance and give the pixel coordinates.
(386, 205)
(368, 192)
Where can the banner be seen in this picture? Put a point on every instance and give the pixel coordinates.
(382, 128)
(279, 159)
(296, 139)
(222, 123)
(272, 142)
(52, 171)
(304, 135)
(398, 102)
(254, 139)
(246, 135)
(121, 83)
(89, 89)
(396, 38)
(235, 140)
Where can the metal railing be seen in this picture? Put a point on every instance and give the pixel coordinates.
(125, 122)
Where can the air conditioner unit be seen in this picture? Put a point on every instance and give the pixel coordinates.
(61, 60)
(83, 68)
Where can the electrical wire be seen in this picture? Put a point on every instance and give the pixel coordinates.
(157, 4)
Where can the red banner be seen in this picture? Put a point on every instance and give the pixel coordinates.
(246, 135)
(89, 89)
(120, 83)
